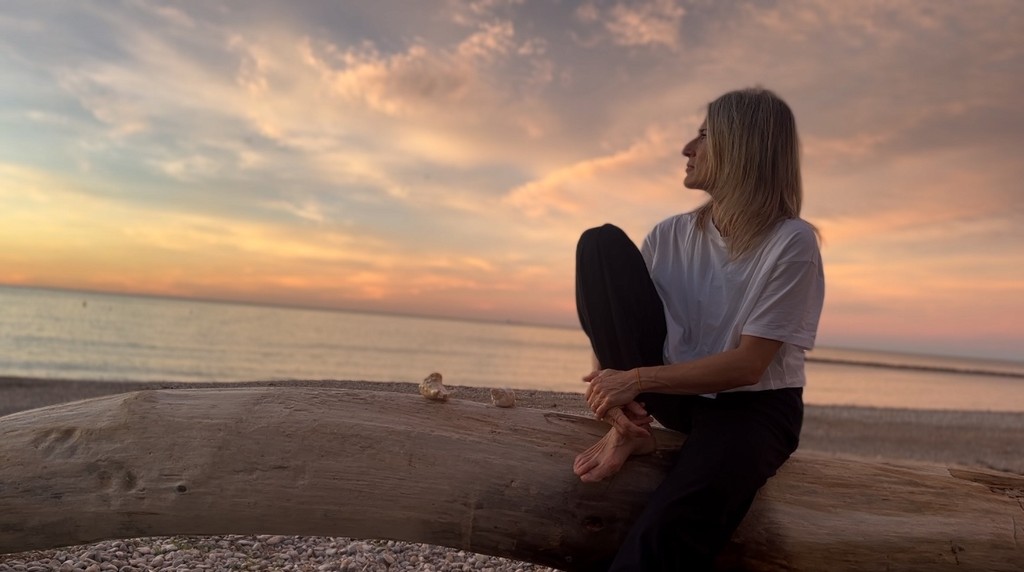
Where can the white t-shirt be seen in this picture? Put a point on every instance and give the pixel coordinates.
(775, 291)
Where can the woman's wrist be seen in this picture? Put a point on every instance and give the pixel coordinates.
(647, 379)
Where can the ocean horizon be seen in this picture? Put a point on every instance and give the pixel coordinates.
(69, 334)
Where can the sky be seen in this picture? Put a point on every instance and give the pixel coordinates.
(442, 157)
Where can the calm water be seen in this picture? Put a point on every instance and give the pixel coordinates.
(58, 334)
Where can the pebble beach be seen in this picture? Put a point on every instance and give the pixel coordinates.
(970, 439)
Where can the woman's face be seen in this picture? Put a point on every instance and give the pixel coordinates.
(697, 176)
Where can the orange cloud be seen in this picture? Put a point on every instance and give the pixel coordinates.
(614, 178)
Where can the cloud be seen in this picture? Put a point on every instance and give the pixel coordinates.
(124, 114)
(396, 84)
(473, 12)
(253, 65)
(429, 79)
(168, 14)
(309, 210)
(652, 23)
(492, 41)
(395, 156)
(575, 188)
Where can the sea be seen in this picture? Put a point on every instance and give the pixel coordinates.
(61, 334)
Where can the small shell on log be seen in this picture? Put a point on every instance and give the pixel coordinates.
(433, 389)
(503, 397)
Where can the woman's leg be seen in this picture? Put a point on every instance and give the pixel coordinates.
(622, 314)
(738, 441)
(618, 306)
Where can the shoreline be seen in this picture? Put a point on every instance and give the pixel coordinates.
(917, 367)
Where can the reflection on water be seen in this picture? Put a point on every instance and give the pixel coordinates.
(58, 334)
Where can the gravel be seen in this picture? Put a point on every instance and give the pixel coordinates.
(284, 553)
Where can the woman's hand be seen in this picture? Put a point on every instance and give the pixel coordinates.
(610, 388)
(631, 420)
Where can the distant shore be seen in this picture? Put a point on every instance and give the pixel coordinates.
(919, 367)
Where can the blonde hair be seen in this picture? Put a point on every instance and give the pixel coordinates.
(753, 158)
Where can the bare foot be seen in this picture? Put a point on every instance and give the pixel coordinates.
(606, 457)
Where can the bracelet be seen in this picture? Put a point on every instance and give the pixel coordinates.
(639, 387)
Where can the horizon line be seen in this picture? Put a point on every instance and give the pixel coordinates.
(506, 321)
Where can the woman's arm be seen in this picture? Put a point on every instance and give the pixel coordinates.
(730, 369)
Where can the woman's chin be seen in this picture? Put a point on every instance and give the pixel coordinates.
(694, 184)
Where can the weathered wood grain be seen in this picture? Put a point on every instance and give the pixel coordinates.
(313, 461)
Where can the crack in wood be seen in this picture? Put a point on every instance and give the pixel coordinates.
(956, 549)
(1013, 523)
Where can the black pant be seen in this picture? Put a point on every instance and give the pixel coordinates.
(734, 443)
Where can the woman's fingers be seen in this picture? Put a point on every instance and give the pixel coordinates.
(637, 409)
(595, 401)
(590, 388)
(624, 425)
(595, 391)
(605, 391)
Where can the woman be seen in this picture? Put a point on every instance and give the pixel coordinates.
(706, 329)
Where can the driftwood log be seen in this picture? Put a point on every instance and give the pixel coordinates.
(330, 462)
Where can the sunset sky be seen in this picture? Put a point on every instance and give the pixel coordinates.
(441, 158)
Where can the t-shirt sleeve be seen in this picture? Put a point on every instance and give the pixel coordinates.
(647, 249)
(789, 306)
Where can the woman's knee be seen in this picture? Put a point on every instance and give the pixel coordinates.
(605, 231)
(606, 234)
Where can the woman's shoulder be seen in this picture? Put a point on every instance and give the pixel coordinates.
(796, 226)
(675, 224)
(796, 234)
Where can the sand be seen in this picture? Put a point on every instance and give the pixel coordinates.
(961, 438)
